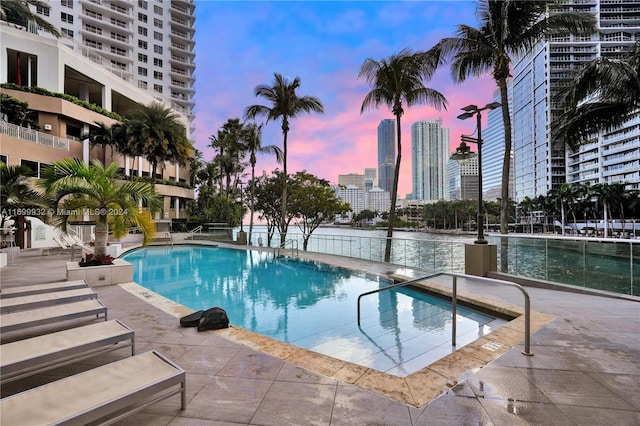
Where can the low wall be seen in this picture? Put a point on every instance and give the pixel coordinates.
(120, 272)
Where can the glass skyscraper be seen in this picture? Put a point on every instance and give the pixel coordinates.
(386, 153)
(429, 155)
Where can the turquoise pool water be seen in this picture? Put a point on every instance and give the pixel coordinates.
(311, 305)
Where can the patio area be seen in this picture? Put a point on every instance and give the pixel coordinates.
(584, 371)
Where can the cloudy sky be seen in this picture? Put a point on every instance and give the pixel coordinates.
(241, 44)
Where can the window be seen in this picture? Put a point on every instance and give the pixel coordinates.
(157, 49)
(93, 43)
(142, 4)
(93, 29)
(33, 165)
(157, 88)
(142, 57)
(157, 62)
(142, 84)
(66, 17)
(118, 65)
(67, 32)
(142, 17)
(142, 44)
(67, 3)
(157, 9)
(142, 31)
(157, 75)
(40, 10)
(142, 71)
(118, 51)
(157, 36)
(157, 23)
(4, 159)
(119, 37)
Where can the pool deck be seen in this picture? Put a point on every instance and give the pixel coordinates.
(585, 369)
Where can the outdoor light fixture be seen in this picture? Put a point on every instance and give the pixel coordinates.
(463, 151)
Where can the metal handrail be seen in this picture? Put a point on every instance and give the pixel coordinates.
(454, 301)
(294, 246)
(197, 229)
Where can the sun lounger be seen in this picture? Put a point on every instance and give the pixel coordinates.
(44, 300)
(28, 290)
(130, 384)
(31, 356)
(38, 317)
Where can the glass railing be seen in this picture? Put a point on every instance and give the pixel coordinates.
(594, 263)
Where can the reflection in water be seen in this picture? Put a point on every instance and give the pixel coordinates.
(309, 304)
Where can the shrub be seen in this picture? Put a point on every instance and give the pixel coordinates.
(91, 260)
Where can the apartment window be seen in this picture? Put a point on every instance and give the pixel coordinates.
(33, 165)
(66, 17)
(142, 57)
(157, 88)
(119, 37)
(157, 36)
(67, 3)
(42, 10)
(67, 32)
(157, 49)
(142, 17)
(142, 71)
(142, 84)
(157, 23)
(119, 65)
(142, 31)
(142, 4)
(93, 43)
(142, 44)
(157, 75)
(93, 29)
(157, 9)
(4, 159)
(118, 51)
(157, 62)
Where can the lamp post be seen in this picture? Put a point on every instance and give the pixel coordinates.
(463, 151)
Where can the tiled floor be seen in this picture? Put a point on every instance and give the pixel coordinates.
(585, 369)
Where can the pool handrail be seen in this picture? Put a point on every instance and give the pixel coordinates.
(454, 301)
(294, 247)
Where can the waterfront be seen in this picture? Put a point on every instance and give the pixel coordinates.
(596, 263)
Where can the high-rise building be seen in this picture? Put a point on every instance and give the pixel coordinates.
(541, 164)
(429, 156)
(378, 200)
(493, 155)
(386, 153)
(353, 196)
(462, 179)
(370, 176)
(150, 44)
(352, 179)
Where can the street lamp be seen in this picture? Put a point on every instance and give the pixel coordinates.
(463, 151)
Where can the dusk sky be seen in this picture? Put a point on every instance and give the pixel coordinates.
(240, 44)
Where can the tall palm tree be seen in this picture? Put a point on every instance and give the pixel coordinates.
(397, 81)
(106, 136)
(507, 28)
(253, 145)
(600, 97)
(74, 186)
(18, 12)
(154, 132)
(285, 105)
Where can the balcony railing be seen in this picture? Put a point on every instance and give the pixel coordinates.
(33, 136)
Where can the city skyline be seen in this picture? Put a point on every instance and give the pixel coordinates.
(323, 43)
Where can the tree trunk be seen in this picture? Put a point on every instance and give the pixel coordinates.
(283, 219)
(251, 191)
(506, 168)
(102, 233)
(394, 193)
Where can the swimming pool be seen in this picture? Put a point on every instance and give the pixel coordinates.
(311, 305)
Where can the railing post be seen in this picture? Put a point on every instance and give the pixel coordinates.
(454, 309)
(527, 325)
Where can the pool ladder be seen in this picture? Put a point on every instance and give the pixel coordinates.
(454, 301)
(292, 243)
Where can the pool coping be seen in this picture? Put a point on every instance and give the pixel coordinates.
(416, 389)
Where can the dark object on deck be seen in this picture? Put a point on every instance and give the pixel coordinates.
(191, 320)
(213, 319)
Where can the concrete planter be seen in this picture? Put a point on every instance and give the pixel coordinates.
(120, 272)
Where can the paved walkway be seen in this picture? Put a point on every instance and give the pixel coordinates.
(585, 369)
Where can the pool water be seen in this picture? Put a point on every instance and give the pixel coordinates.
(311, 305)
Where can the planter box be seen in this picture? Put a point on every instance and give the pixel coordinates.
(120, 272)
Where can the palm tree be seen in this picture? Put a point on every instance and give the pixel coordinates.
(253, 145)
(16, 195)
(285, 105)
(155, 132)
(601, 97)
(74, 186)
(18, 12)
(395, 81)
(507, 28)
(106, 136)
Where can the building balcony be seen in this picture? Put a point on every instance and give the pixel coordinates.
(34, 136)
(183, 9)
